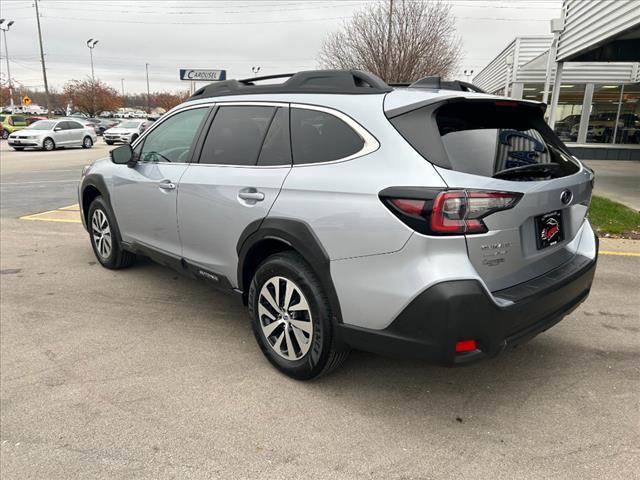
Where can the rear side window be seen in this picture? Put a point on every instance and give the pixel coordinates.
(236, 135)
(500, 139)
(321, 137)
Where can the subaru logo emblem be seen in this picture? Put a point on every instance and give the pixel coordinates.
(566, 196)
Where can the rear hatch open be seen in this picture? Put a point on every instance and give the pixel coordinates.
(484, 146)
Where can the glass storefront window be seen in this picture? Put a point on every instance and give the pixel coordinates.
(614, 115)
(569, 111)
(628, 130)
(532, 91)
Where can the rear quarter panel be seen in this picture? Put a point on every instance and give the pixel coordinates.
(339, 200)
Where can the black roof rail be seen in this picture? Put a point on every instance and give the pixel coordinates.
(311, 81)
(437, 83)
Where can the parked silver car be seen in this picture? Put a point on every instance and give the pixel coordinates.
(433, 221)
(127, 131)
(52, 134)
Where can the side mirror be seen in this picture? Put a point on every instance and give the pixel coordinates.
(123, 155)
(57, 129)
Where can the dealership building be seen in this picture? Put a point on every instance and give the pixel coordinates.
(590, 68)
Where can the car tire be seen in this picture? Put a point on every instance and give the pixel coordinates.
(4, 134)
(105, 237)
(87, 142)
(302, 345)
(18, 149)
(48, 144)
(108, 142)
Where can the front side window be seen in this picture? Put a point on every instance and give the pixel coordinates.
(236, 135)
(171, 141)
(321, 137)
(74, 125)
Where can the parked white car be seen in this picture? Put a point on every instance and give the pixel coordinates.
(126, 132)
(51, 134)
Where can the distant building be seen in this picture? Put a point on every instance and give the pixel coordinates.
(597, 94)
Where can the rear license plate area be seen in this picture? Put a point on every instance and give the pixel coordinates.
(549, 229)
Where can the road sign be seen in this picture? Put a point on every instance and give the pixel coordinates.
(26, 101)
(200, 75)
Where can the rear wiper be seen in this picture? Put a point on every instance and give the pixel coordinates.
(536, 170)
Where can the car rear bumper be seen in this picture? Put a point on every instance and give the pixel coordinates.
(453, 311)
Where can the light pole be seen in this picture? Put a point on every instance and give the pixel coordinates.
(255, 71)
(91, 43)
(148, 92)
(44, 67)
(5, 29)
(122, 82)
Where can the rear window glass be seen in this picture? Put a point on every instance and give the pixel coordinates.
(321, 137)
(500, 139)
(493, 140)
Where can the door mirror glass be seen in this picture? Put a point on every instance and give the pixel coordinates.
(123, 155)
(57, 129)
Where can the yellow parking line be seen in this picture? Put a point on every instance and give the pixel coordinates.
(75, 207)
(68, 214)
(622, 254)
(60, 220)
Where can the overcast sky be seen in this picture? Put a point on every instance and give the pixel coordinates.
(278, 35)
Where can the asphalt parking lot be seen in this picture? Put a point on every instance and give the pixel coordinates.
(144, 373)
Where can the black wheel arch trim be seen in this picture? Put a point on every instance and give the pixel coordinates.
(299, 236)
(96, 181)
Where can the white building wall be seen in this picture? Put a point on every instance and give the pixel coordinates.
(589, 22)
(523, 49)
(529, 56)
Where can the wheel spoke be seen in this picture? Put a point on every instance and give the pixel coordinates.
(291, 354)
(266, 294)
(301, 306)
(302, 340)
(262, 310)
(269, 329)
(276, 346)
(287, 294)
(302, 325)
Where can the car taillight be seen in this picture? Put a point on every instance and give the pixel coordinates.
(451, 212)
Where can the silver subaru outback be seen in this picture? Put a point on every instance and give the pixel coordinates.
(430, 220)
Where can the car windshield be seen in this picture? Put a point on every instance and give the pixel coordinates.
(129, 125)
(42, 125)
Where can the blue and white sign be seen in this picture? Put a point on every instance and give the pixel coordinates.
(202, 75)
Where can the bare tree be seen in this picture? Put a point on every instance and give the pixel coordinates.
(399, 41)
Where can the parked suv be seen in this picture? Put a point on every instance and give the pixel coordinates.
(432, 221)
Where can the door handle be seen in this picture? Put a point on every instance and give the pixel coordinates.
(167, 185)
(251, 194)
